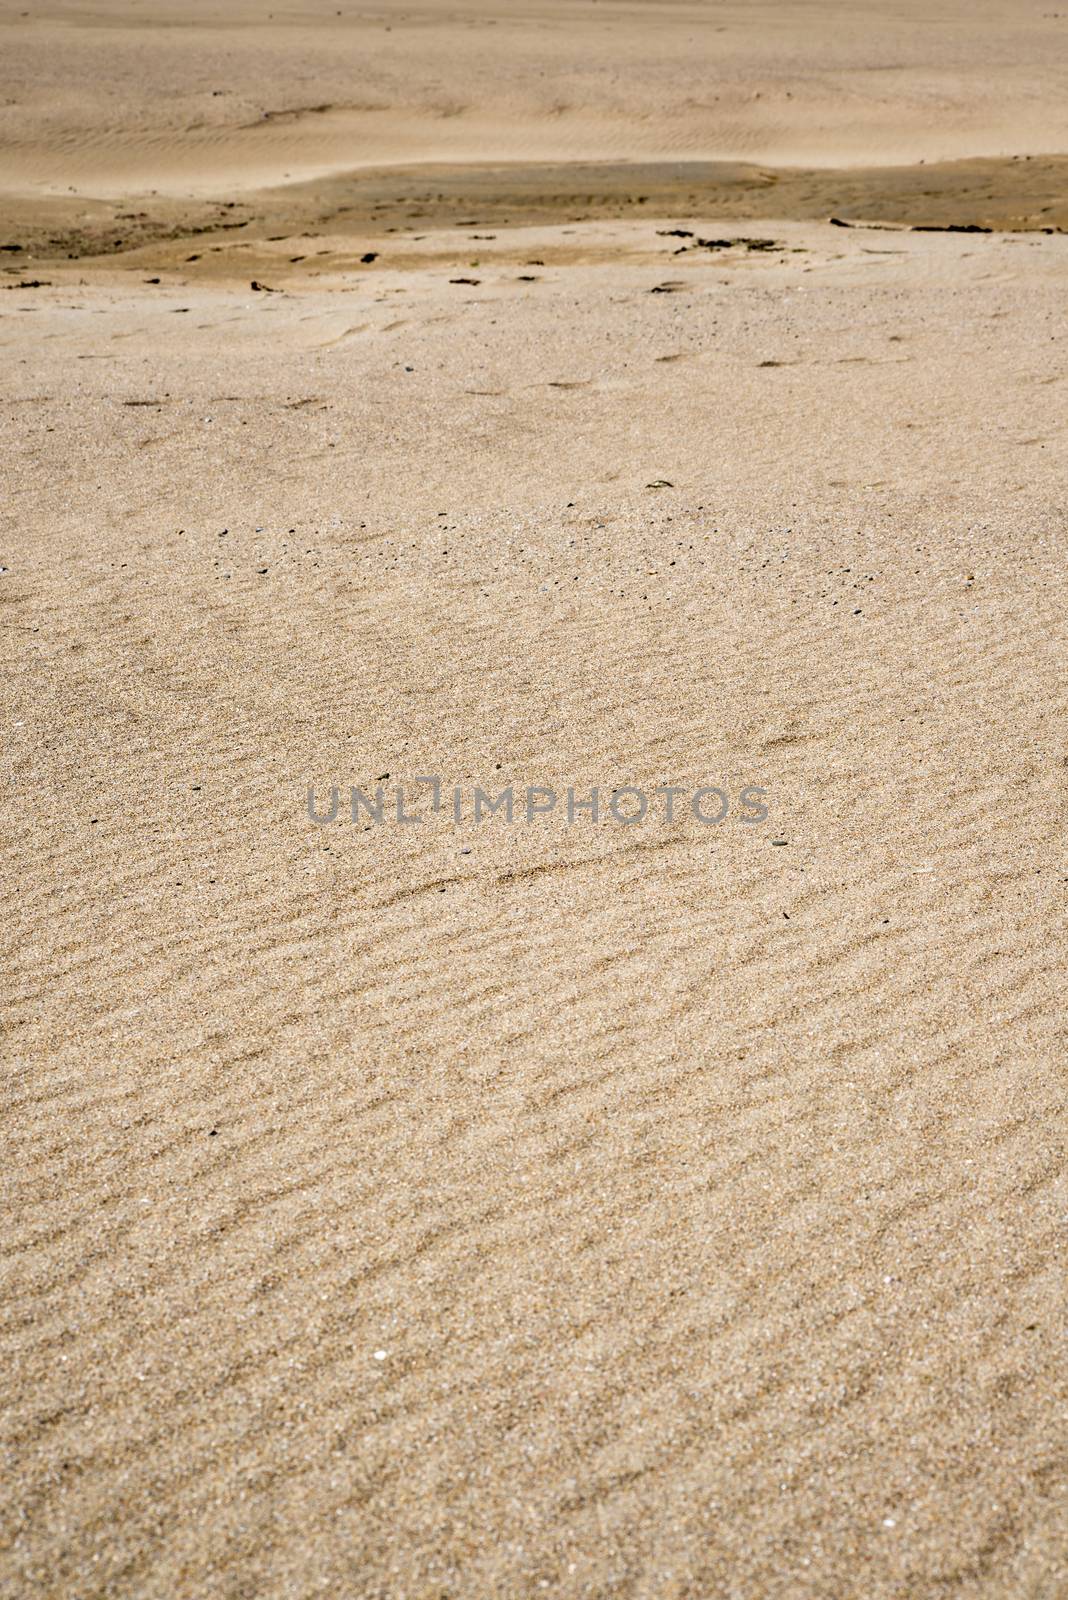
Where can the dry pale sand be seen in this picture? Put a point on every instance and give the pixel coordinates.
(444, 1210)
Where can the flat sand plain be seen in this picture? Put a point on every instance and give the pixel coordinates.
(441, 1210)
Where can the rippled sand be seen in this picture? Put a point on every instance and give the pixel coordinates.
(459, 1211)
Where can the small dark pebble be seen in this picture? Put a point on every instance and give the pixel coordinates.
(372, 255)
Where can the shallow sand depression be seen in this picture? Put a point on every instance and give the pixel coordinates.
(515, 1208)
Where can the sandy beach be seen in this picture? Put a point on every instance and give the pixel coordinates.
(639, 397)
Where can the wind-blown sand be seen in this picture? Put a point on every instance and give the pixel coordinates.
(440, 1210)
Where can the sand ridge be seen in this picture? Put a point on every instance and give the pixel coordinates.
(121, 98)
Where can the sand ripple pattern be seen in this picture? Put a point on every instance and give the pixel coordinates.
(600, 1212)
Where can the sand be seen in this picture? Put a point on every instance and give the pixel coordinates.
(467, 1210)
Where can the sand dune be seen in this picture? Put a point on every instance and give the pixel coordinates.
(507, 1209)
(113, 99)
